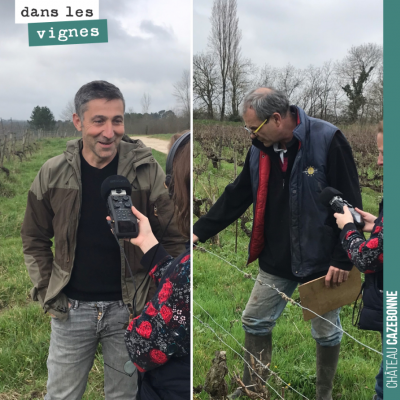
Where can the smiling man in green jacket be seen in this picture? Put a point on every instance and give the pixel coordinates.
(86, 286)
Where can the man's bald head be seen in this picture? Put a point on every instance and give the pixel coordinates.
(264, 90)
(265, 101)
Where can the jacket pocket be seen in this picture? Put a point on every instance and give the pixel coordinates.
(58, 307)
(329, 240)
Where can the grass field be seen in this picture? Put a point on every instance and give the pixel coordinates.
(223, 292)
(24, 328)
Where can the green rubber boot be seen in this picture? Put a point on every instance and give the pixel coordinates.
(255, 345)
(327, 360)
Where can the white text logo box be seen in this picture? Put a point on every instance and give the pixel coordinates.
(31, 11)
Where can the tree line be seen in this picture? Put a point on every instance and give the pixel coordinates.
(341, 91)
(164, 121)
(148, 123)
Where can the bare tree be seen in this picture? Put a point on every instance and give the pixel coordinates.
(146, 101)
(317, 94)
(356, 72)
(66, 113)
(289, 80)
(240, 80)
(308, 99)
(359, 59)
(326, 91)
(205, 81)
(374, 97)
(182, 93)
(223, 40)
(267, 76)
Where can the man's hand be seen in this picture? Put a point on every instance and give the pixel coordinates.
(53, 316)
(343, 219)
(368, 218)
(195, 239)
(335, 276)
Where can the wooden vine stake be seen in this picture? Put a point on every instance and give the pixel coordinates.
(2, 153)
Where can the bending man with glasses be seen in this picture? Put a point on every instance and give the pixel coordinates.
(295, 238)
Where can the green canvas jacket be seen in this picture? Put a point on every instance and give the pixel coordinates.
(53, 211)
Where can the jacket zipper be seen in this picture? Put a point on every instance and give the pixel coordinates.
(77, 224)
(68, 244)
(296, 161)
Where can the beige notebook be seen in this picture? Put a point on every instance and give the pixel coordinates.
(320, 299)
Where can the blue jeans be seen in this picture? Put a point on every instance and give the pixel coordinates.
(73, 345)
(266, 305)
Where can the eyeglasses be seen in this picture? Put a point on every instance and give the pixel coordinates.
(253, 133)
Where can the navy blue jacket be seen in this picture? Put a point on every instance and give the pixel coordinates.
(312, 240)
(314, 236)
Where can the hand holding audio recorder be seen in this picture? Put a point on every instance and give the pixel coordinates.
(332, 197)
(116, 191)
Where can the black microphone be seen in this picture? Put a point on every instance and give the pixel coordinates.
(115, 182)
(116, 191)
(332, 197)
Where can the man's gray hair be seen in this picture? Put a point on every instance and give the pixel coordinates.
(265, 103)
(95, 90)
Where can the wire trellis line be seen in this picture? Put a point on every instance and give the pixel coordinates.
(287, 298)
(259, 361)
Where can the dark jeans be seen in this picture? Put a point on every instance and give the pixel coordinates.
(379, 383)
(379, 380)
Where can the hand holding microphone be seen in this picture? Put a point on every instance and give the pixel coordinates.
(368, 218)
(126, 221)
(343, 219)
(116, 191)
(344, 211)
(145, 239)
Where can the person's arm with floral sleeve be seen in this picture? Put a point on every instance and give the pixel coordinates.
(367, 255)
(163, 328)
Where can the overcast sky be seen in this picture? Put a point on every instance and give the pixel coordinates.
(148, 48)
(299, 32)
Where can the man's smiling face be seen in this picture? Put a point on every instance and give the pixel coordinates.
(102, 129)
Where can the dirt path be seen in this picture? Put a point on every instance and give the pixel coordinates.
(156, 144)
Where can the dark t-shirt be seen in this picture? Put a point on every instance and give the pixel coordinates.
(96, 275)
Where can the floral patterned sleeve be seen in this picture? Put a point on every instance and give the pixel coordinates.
(163, 328)
(367, 255)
